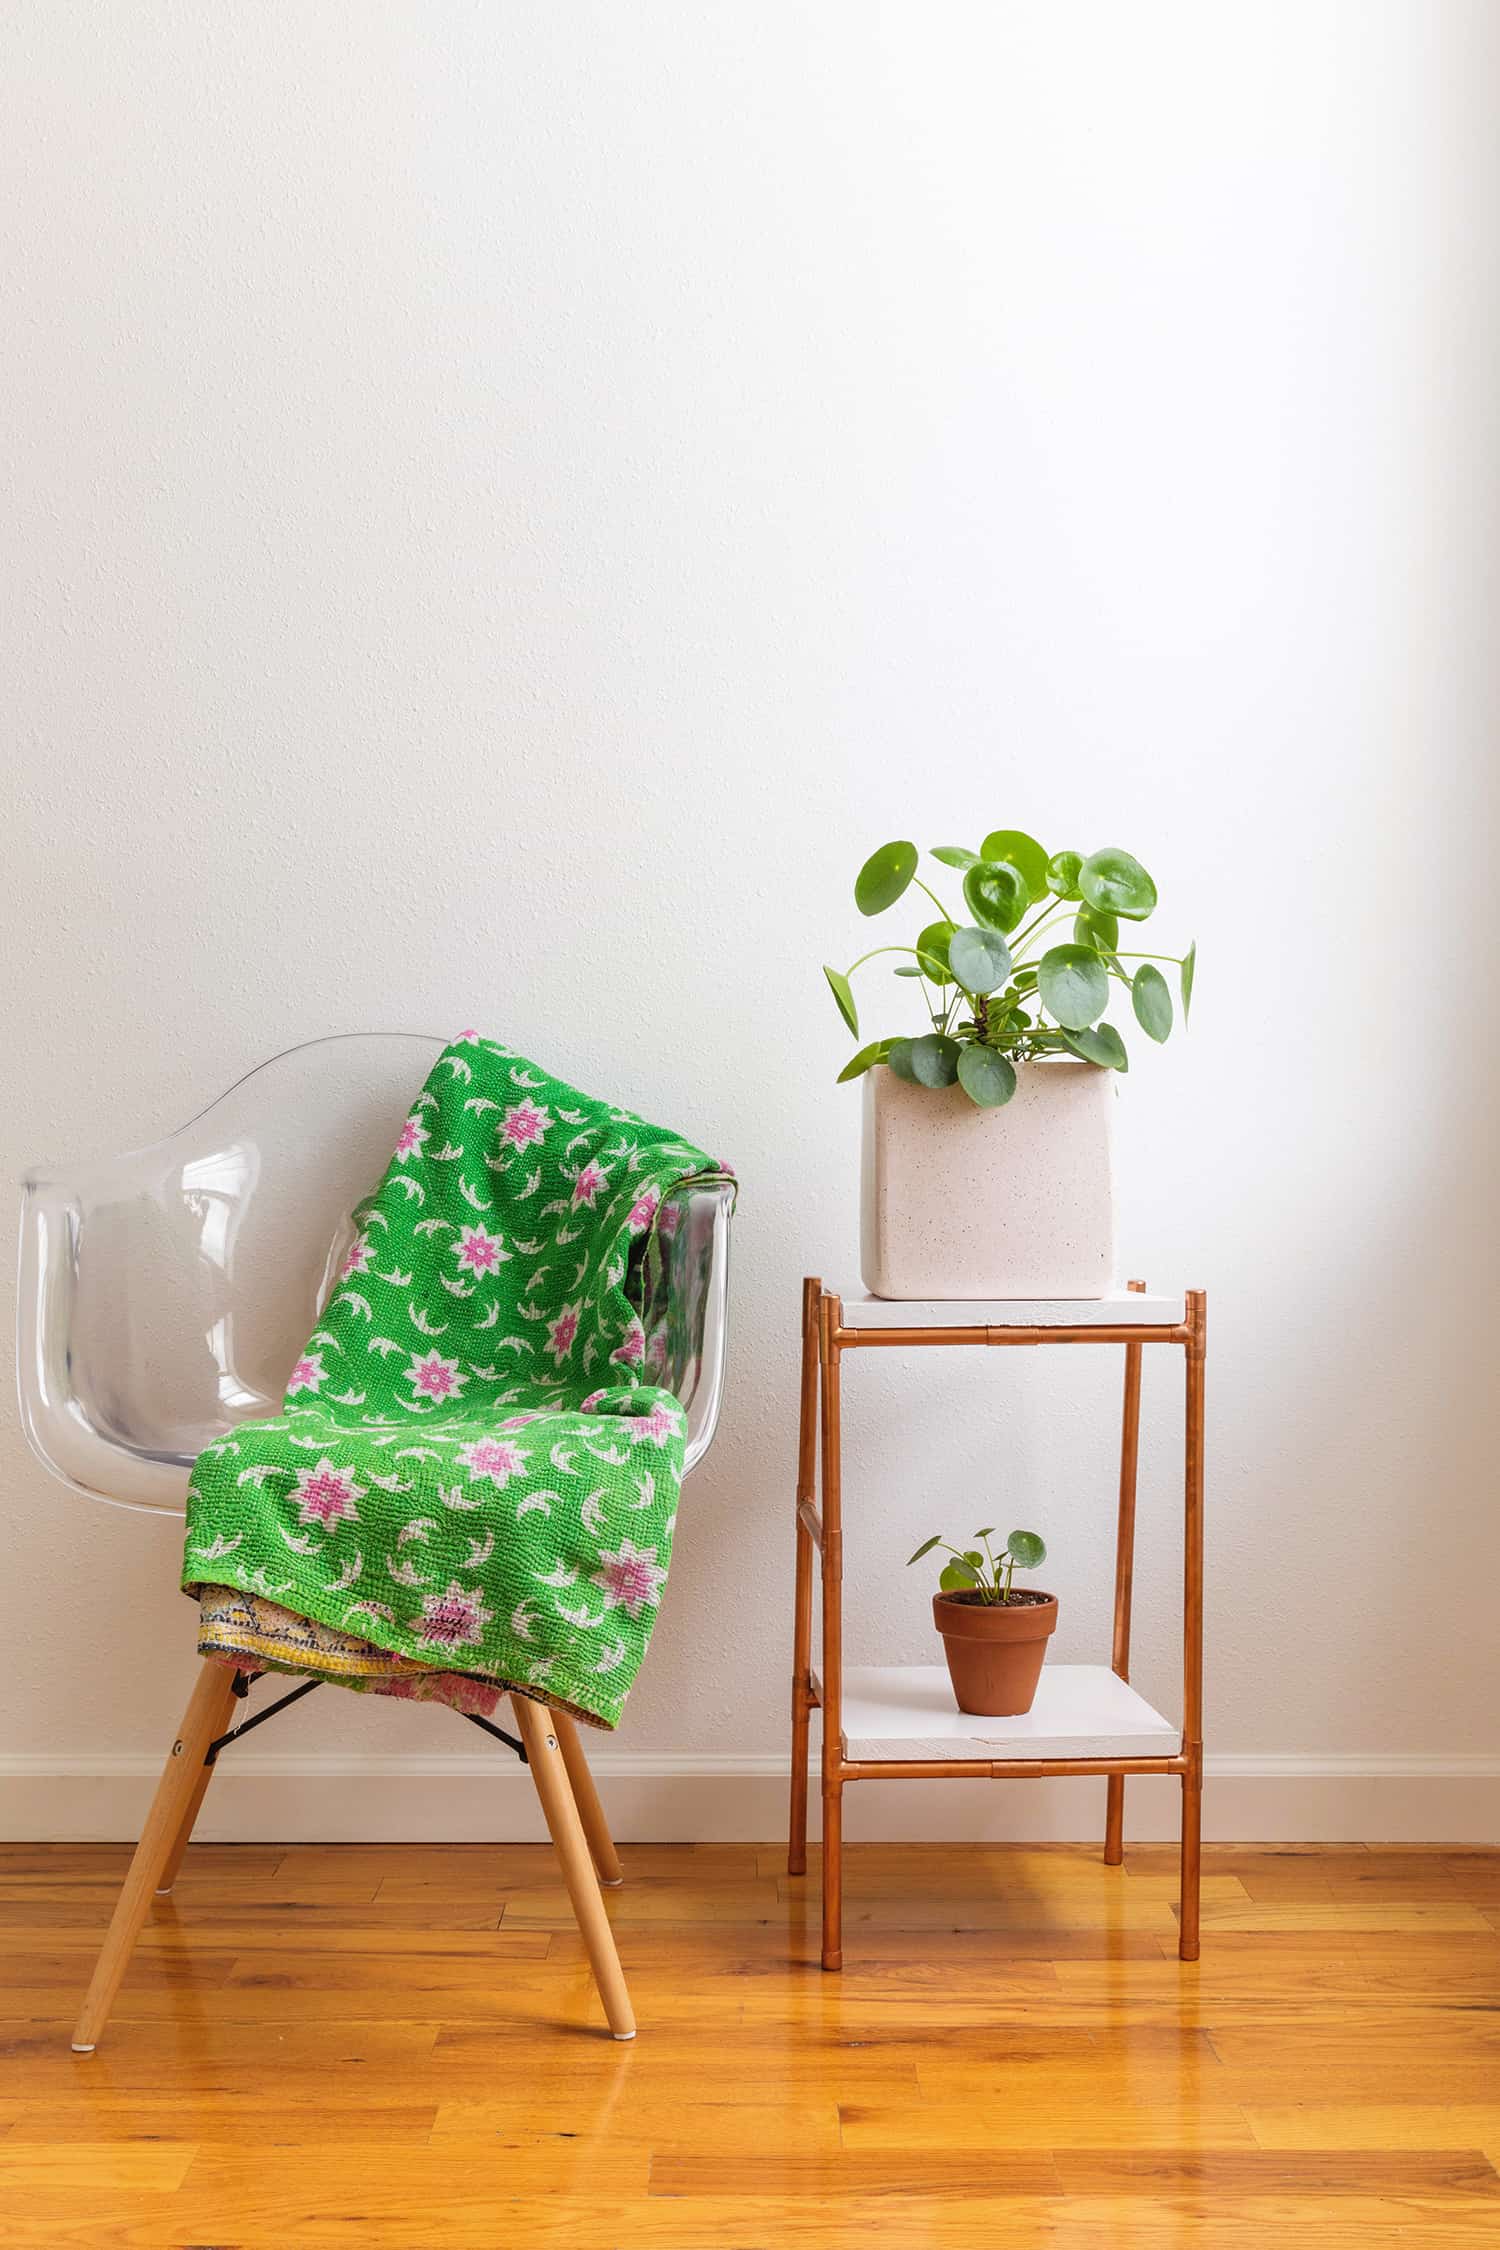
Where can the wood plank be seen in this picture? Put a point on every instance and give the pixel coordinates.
(1378, 2124)
(292, 2117)
(624, 2112)
(1053, 2115)
(1341, 1913)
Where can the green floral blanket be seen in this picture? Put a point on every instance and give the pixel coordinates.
(473, 1466)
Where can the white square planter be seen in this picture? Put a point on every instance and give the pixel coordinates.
(960, 1202)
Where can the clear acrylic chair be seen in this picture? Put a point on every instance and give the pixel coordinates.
(164, 1294)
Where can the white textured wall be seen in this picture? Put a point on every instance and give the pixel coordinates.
(506, 503)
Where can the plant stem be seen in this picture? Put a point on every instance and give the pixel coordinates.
(1050, 908)
(864, 957)
(937, 902)
(1174, 958)
(1018, 960)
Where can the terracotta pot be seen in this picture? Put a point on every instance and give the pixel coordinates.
(994, 1651)
(965, 1203)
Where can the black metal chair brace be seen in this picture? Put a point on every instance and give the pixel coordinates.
(243, 1682)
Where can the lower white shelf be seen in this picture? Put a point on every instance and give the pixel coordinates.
(1081, 1711)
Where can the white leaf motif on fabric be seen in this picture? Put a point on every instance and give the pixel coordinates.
(406, 1573)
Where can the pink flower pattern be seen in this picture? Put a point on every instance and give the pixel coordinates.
(326, 1495)
(587, 1185)
(356, 1258)
(631, 1578)
(435, 1377)
(642, 1211)
(633, 1350)
(308, 1374)
(409, 1142)
(492, 1458)
(657, 1426)
(453, 1619)
(479, 1252)
(561, 1333)
(524, 1123)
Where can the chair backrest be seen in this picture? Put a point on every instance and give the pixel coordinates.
(164, 1292)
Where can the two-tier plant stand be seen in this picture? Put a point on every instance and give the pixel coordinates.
(900, 1722)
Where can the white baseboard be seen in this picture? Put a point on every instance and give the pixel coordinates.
(667, 1797)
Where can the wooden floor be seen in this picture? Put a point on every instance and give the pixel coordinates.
(399, 2046)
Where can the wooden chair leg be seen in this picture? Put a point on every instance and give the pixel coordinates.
(184, 1837)
(549, 1771)
(178, 1795)
(586, 1797)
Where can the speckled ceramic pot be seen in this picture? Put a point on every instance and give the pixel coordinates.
(965, 1203)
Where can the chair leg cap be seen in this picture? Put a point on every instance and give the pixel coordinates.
(622, 2035)
(88, 2050)
(610, 1882)
(163, 1890)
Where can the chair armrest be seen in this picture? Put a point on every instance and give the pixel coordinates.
(694, 1226)
(63, 1425)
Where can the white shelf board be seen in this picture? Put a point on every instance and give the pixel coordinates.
(1131, 1308)
(1081, 1711)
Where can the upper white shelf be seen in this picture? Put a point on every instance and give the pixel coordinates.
(1130, 1309)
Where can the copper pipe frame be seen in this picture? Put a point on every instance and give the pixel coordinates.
(796, 1850)
(825, 1338)
(1130, 1433)
(1192, 1625)
(831, 1671)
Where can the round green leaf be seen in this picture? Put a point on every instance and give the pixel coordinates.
(932, 949)
(1101, 931)
(1022, 852)
(1099, 1044)
(1152, 1002)
(980, 959)
(1062, 874)
(838, 985)
(996, 893)
(958, 1577)
(884, 877)
(899, 1060)
(987, 1078)
(1074, 985)
(955, 855)
(1114, 883)
(1025, 980)
(934, 1060)
(1026, 1550)
(865, 1060)
(1190, 963)
(906, 971)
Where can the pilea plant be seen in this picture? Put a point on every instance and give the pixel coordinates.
(1014, 983)
(988, 1575)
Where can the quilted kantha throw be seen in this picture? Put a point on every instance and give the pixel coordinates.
(474, 1467)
